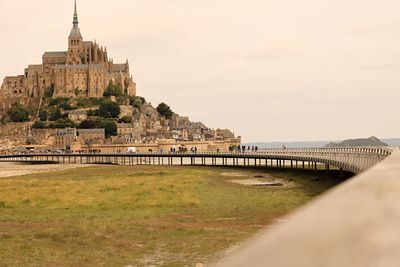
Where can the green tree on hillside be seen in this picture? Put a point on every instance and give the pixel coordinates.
(55, 114)
(66, 106)
(64, 123)
(89, 124)
(126, 119)
(39, 125)
(94, 112)
(137, 101)
(109, 109)
(165, 110)
(43, 114)
(57, 101)
(83, 102)
(110, 128)
(143, 99)
(18, 113)
(113, 90)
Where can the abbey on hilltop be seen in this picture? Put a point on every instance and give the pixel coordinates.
(83, 71)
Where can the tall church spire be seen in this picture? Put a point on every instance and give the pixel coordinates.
(76, 22)
(75, 32)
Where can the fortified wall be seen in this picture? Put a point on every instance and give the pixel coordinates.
(43, 137)
(14, 134)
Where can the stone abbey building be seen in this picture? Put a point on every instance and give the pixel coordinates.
(84, 70)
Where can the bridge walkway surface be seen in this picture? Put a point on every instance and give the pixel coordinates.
(354, 224)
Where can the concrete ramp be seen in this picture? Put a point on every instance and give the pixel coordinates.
(354, 224)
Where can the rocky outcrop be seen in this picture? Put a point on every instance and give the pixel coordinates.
(371, 141)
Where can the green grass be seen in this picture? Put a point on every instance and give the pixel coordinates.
(139, 216)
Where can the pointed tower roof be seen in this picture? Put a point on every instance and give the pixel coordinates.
(76, 22)
(75, 32)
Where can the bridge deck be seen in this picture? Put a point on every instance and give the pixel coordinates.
(353, 160)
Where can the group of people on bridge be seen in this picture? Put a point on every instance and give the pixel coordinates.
(182, 149)
(243, 149)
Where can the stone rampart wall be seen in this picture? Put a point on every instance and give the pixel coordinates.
(13, 134)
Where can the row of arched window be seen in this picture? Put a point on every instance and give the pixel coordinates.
(75, 42)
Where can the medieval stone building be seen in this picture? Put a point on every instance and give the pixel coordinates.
(84, 70)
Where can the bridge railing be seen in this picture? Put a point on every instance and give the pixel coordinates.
(272, 151)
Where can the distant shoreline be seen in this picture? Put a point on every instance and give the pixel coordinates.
(311, 144)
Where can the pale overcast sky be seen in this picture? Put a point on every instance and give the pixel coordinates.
(267, 69)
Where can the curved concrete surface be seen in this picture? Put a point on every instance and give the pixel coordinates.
(354, 224)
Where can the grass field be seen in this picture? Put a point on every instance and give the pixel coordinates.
(140, 216)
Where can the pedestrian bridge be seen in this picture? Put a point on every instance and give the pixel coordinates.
(355, 160)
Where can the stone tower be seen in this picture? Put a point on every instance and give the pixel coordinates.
(75, 42)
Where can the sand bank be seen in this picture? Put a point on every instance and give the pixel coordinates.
(17, 169)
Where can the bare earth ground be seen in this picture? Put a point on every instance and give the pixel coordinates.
(17, 169)
(140, 215)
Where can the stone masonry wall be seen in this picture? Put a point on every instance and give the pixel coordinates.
(13, 134)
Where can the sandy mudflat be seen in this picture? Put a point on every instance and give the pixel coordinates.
(16, 169)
